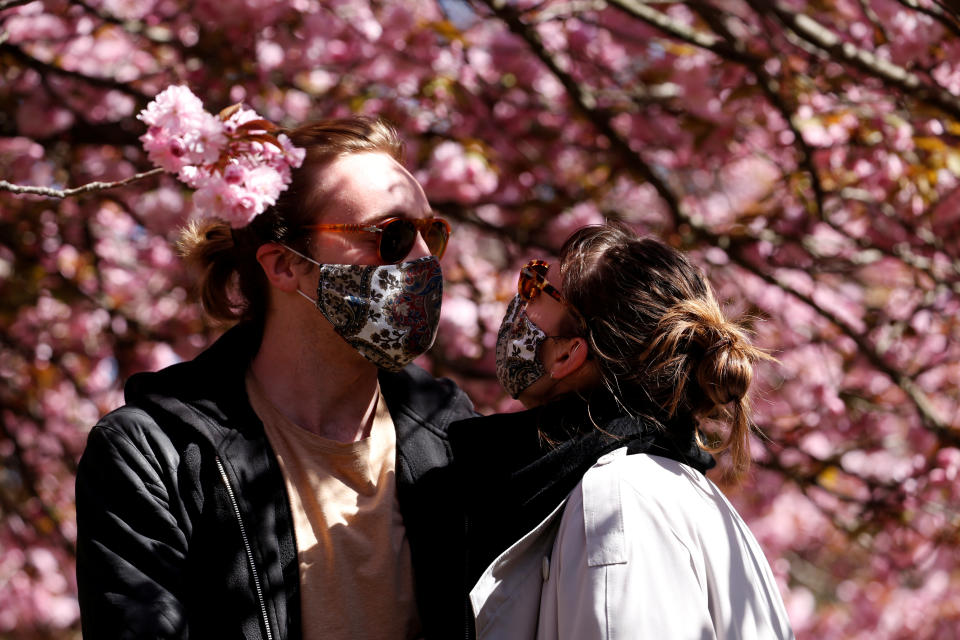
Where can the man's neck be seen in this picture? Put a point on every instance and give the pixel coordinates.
(319, 383)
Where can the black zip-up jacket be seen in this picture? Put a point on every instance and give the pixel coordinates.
(184, 527)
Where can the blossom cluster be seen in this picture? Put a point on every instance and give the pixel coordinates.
(236, 161)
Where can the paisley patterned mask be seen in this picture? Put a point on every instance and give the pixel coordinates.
(388, 313)
(518, 350)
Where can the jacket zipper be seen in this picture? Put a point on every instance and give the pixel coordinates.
(467, 608)
(246, 545)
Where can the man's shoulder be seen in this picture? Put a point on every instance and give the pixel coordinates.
(220, 367)
(434, 402)
(127, 437)
(132, 427)
(128, 421)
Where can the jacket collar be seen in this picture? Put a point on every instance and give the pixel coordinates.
(515, 468)
(208, 394)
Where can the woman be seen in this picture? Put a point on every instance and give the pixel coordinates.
(589, 514)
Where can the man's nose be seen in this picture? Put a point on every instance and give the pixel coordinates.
(419, 249)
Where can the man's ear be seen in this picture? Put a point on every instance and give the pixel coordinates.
(570, 357)
(278, 266)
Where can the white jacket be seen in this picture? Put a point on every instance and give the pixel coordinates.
(645, 547)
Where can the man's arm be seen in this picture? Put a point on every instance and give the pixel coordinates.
(130, 546)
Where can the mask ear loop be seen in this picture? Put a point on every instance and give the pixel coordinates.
(292, 250)
(316, 302)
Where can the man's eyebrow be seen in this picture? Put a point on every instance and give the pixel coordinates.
(380, 217)
(398, 213)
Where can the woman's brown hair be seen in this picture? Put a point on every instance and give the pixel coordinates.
(658, 333)
(233, 286)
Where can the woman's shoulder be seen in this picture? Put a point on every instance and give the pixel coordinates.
(663, 533)
(626, 504)
(651, 477)
(626, 490)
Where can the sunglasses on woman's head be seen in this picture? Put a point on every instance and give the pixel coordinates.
(533, 280)
(398, 235)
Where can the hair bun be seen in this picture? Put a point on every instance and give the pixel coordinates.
(726, 369)
(718, 355)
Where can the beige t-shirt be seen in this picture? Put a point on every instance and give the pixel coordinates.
(356, 580)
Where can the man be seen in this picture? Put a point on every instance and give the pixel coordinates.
(273, 486)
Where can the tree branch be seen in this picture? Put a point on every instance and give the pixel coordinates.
(676, 29)
(732, 49)
(936, 13)
(771, 87)
(904, 252)
(894, 75)
(9, 4)
(586, 102)
(928, 414)
(66, 193)
(46, 67)
(950, 6)
(573, 8)
(874, 19)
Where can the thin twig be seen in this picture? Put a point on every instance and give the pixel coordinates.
(874, 19)
(66, 193)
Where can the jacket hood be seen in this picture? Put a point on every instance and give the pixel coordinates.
(207, 393)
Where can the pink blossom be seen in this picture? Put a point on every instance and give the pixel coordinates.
(175, 109)
(581, 215)
(269, 55)
(129, 9)
(459, 326)
(458, 173)
(184, 139)
(39, 116)
(32, 25)
(162, 209)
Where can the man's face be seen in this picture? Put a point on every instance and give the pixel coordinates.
(365, 188)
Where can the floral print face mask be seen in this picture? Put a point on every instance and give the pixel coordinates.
(388, 313)
(518, 350)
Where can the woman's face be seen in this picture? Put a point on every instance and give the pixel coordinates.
(546, 312)
(558, 352)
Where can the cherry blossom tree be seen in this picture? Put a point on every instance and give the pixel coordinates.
(805, 153)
